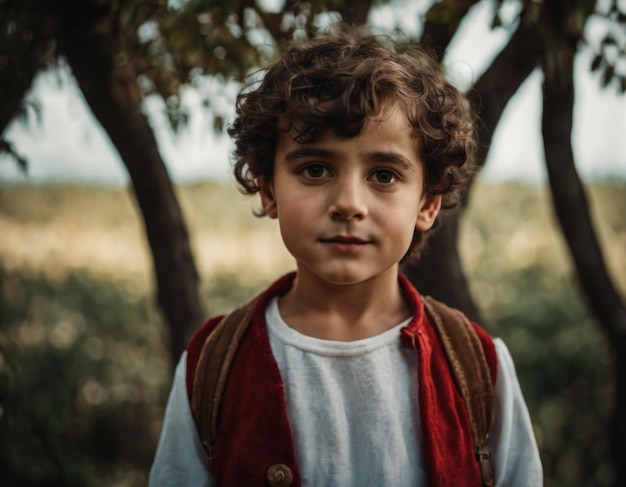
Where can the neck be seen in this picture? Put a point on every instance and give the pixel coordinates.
(344, 312)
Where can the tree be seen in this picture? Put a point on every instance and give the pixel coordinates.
(100, 43)
(548, 37)
(111, 47)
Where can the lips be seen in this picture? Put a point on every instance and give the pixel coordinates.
(345, 239)
(347, 245)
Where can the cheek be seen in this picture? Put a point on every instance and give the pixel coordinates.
(293, 217)
(400, 214)
(297, 203)
(397, 227)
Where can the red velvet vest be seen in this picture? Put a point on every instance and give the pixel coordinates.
(254, 436)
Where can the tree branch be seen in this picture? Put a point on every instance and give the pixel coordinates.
(442, 22)
(571, 205)
(15, 82)
(24, 51)
(493, 90)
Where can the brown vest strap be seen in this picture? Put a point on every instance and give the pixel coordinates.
(471, 372)
(212, 371)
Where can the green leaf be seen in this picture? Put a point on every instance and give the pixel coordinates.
(497, 21)
(218, 124)
(7, 148)
(597, 61)
(609, 40)
(438, 14)
(607, 76)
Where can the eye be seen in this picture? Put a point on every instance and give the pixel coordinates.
(314, 171)
(384, 176)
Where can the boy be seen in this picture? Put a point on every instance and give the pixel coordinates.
(340, 379)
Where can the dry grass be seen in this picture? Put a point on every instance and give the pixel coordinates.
(55, 230)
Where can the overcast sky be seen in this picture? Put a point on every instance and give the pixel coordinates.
(69, 145)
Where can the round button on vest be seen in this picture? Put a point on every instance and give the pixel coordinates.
(279, 475)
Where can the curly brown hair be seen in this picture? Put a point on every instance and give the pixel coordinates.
(339, 80)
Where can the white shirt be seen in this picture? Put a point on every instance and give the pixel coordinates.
(354, 415)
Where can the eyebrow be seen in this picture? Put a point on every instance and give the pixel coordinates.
(378, 157)
(303, 152)
(390, 158)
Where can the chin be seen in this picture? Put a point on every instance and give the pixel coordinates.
(338, 277)
(346, 277)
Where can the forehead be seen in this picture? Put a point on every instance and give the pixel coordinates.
(385, 136)
(391, 117)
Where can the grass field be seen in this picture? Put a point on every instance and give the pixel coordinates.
(84, 373)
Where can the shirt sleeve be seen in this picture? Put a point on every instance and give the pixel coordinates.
(180, 460)
(516, 460)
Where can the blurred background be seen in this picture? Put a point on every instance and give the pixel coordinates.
(121, 229)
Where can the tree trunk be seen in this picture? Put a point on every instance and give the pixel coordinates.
(572, 210)
(439, 273)
(112, 93)
(618, 438)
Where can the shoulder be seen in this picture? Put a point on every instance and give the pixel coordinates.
(195, 348)
(457, 325)
(255, 306)
(489, 349)
(512, 440)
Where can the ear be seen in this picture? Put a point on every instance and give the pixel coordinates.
(428, 211)
(268, 200)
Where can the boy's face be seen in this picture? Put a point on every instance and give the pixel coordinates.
(348, 207)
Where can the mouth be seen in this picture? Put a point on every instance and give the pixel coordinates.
(345, 239)
(345, 244)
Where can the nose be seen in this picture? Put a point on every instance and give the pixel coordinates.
(348, 201)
